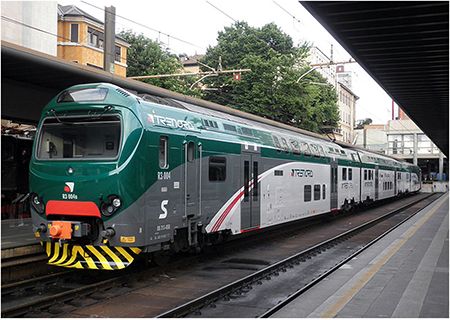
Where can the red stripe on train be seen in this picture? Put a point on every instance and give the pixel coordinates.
(72, 208)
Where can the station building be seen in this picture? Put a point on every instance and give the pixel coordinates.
(81, 38)
(341, 80)
(403, 139)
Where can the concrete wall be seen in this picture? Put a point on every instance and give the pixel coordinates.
(38, 14)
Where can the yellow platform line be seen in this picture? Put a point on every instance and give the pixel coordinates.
(333, 310)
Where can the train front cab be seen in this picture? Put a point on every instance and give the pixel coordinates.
(84, 156)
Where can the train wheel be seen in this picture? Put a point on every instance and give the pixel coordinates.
(161, 258)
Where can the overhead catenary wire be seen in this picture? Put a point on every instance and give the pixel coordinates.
(221, 11)
(293, 17)
(148, 27)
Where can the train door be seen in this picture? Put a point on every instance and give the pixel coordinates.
(334, 185)
(191, 177)
(250, 205)
(376, 183)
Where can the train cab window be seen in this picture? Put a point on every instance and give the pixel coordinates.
(190, 151)
(350, 174)
(79, 138)
(217, 169)
(316, 192)
(344, 174)
(307, 193)
(163, 152)
(324, 193)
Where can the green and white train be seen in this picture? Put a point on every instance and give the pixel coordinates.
(113, 175)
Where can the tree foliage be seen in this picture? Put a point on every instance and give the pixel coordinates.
(270, 89)
(147, 57)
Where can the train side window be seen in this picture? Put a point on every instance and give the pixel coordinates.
(295, 146)
(344, 174)
(217, 169)
(350, 174)
(246, 180)
(365, 174)
(370, 175)
(284, 145)
(316, 192)
(307, 193)
(163, 154)
(276, 143)
(322, 153)
(255, 181)
(190, 151)
(304, 148)
(399, 176)
(324, 193)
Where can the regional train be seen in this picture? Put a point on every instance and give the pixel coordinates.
(114, 175)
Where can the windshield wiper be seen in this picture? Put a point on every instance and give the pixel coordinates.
(106, 109)
(57, 118)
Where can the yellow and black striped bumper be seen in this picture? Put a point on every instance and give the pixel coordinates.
(90, 257)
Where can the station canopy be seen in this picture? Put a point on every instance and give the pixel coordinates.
(403, 45)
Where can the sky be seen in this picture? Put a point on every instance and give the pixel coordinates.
(197, 22)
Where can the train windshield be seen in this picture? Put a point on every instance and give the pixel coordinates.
(79, 138)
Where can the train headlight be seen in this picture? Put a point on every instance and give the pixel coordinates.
(37, 203)
(116, 202)
(36, 200)
(111, 205)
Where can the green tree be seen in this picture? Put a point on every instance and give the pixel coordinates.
(270, 89)
(146, 57)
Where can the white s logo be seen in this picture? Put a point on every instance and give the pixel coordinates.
(164, 210)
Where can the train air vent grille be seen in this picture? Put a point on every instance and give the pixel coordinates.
(122, 92)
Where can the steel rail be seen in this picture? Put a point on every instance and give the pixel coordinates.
(198, 303)
(43, 302)
(28, 282)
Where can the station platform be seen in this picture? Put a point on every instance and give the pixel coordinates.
(17, 238)
(405, 274)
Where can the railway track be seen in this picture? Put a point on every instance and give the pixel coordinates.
(23, 263)
(66, 295)
(266, 291)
